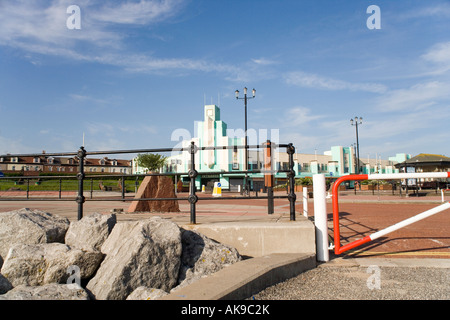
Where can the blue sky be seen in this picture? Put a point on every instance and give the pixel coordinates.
(137, 71)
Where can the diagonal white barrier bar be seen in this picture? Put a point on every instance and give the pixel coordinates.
(409, 221)
(418, 175)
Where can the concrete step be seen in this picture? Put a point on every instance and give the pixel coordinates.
(243, 279)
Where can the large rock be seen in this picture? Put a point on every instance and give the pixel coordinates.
(144, 293)
(203, 256)
(143, 253)
(155, 187)
(51, 291)
(40, 264)
(5, 285)
(27, 226)
(90, 232)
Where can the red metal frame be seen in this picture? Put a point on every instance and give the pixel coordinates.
(338, 249)
(337, 243)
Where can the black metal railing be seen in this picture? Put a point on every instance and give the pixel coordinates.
(192, 174)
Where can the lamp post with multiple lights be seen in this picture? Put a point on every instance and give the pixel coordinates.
(245, 98)
(355, 123)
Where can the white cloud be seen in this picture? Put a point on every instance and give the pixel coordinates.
(407, 132)
(303, 143)
(310, 80)
(33, 25)
(142, 12)
(109, 129)
(391, 127)
(301, 116)
(95, 128)
(378, 133)
(85, 98)
(439, 58)
(264, 61)
(40, 27)
(14, 145)
(418, 96)
(148, 64)
(435, 11)
(439, 53)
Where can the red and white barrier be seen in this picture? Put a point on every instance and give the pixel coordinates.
(337, 244)
(416, 175)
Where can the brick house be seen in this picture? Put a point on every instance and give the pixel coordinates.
(64, 165)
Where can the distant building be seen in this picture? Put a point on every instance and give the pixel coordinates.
(212, 131)
(425, 162)
(63, 165)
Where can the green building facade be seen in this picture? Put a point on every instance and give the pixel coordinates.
(212, 131)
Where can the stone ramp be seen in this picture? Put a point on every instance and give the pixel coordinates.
(279, 250)
(243, 279)
(261, 238)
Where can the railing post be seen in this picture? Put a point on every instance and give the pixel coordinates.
(28, 189)
(268, 176)
(60, 188)
(193, 198)
(123, 188)
(80, 198)
(291, 174)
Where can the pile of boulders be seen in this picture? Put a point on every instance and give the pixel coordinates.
(43, 256)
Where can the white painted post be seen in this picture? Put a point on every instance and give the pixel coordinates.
(305, 202)
(320, 217)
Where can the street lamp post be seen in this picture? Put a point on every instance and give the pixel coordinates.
(245, 98)
(356, 122)
(353, 145)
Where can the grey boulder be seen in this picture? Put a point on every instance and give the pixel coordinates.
(90, 232)
(40, 264)
(203, 256)
(51, 291)
(27, 226)
(145, 293)
(5, 285)
(143, 253)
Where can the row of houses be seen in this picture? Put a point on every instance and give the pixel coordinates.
(62, 165)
